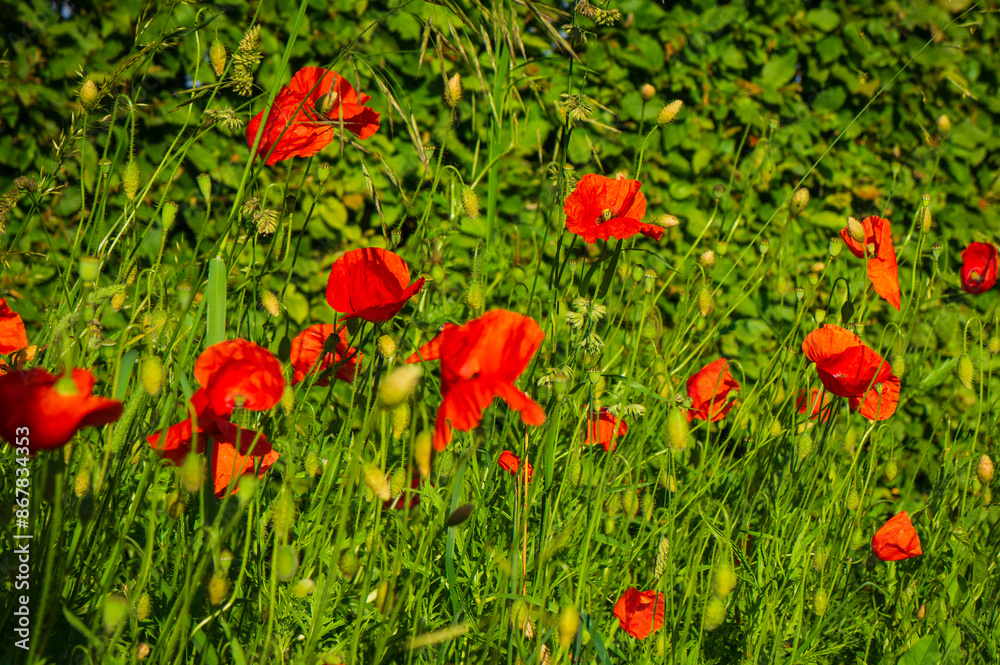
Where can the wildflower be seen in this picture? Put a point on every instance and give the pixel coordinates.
(510, 463)
(709, 389)
(872, 239)
(47, 410)
(239, 373)
(849, 368)
(814, 403)
(307, 111)
(640, 612)
(604, 428)
(370, 284)
(13, 336)
(897, 539)
(979, 267)
(307, 348)
(479, 361)
(607, 208)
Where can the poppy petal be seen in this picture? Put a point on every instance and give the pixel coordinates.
(13, 336)
(371, 284)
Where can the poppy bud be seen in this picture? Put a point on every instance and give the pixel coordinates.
(474, 297)
(669, 112)
(283, 513)
(453, 91)
(677, 429)
(326, 103)
(569, 624)
(987, 496)
(218, 587)
(144, 607)
(667, 221)
(205, 185)
(800, 199)
(707, 258)
(192, 473)
(400, 420)
(647, 91)
(891, 470)
(217, 56)
(470, 202)
(984, 470)
(88, 95)
(704, 300)
(81, 483)
(397, 387)
(303, 588)
(422, 453)
(383, 597)
(610, 525)
(437, 274)
(630, 503)
(820, 601)
(714, 614)
(312, 463)
(348, 563)
(575, 472)
(966, 372)
(855, 229)
(168, 214)
(118, 301)
(725, 580)
(130, 179)
(286, 562)
(115, 612)
(944, 124)
(175, 505)
(269, 302)
(853, 500)
(637, 273)
(287, 400)
(396, 481)
(90, 269)
(648, 506)
(820, 316)
(151, 374)
(376, 481)
(184, 294)
(803, 445)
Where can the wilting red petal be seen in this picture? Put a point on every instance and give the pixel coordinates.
(708, 390)
(228, 463)
(239, 370)
(13, 336)
(640, 612)
(370, 284)
(294, 127)
(307, 347)
(46, 415)
(607, 208)
(897, 539)
(605, 429)
(883, 270)
(979, 267)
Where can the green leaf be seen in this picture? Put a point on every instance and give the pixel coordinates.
(779, 70)
(824, 19)
(924, 652)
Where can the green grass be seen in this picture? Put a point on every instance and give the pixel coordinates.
(128, 564)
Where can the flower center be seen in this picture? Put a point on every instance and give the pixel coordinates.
(66, 387)
(239, 401)
(974, 276)
(327, 102)
(606, 214)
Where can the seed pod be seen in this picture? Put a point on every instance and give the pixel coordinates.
(130, 179)
(669, 112)
(677, 429)
(714, 614)
(168, 214)
(820, 601)
(926, 219)
(984, 470)
(286, 562)
(725, 580)
(453, 91)
(966, 372)
(834, 246)
(217, 56)
(90, 269)
(205, 185)
(151, 374)
(218, 587)
(88, 95)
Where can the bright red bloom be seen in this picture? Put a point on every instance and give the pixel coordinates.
(239, 373)
(882, 269)
(708, 390)
(297, 125)
(307, 347)
(640, 612)
(228, 462)
(814, 402)
(607, 208)
(849, 368)
(370, 284)
(13, 337)
(979, 267)
(510, 463)
(480, 361)
(897, 539)
(47, 410)
(605, 429)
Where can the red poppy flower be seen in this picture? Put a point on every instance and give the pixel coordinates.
(882, 269)
(607, 208)
(307, 347)
(306, 113)
(605, 429)
(897, 539)
(849, 368)
(48, 410)
(370, 284)
(510, 463)
(228, 462)
(239, 373)
(480, 361)
(708, 390)
(13, 337)
(640, 612)
(814, 402)
(979, 267)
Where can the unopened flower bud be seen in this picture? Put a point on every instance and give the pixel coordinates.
(984, 470)
(725, 580)
(192, 473)
(820, 316)
(283, 512)
(130, 179)
(118, 301)
(286, 562)
(677, 429)
(217, 56)
(569, 618)
(90, 269)
(856, 229)
(151, 374)
(205, 185)
(667, 221)
(707, 258)
(400, 420)
(386, 346)
(115, 612)
(714, 614)
(184, 294)
(891, 470)
(144, 607)
(966, 372)
(704, 300)
(287, 400)
(474, 297)
(669, 112)
(81, 483)
(303, 588)
(637, 273)
(944, 124)
(803, 445)
(422, 452)
(647, 91)
(834, 247)
(800, 199)
(348, 563)
(168, 214)
(453, 91)
(269, 302)
(820, 601)
(375, 479)
(397, 387)
(470, 202)
(218, 587)
(88, 95)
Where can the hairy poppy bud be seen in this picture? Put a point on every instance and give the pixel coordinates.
(118, 301)
(397, 387)
(168, 214)
(348, 563)
(667, 221)
(81, 483)
(820, 601)
(470, 202)
(151, 374)
(175, 505)
(286, 562)
(115, 612)
(303, 588)
(707, 258)
(891, 470)
(192, 473)
(218, 587)
(803, 445)
(375, 480)
(217, 56)
(383, 597)
(90, 269)
(88, 95)
(853, 500)
(144, 607)
(283, 513)
(270, 303)
(725, 580)
(966, 372)
(400, 420)
(714, 614)
(637, 273)
(984, 470)
(669, 112)
(569, 624)
(453, 91)
(647, 91)
(677, 429)
(386, 346)
(704, 300)
(474, 297)
(130, 179)
(185, 294)
(423, 450)
(312, 463)
(575, 472)
(855, 228)
(944, 124)
(630, 503)
(800, 199)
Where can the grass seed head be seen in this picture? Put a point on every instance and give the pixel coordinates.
(453, 91)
